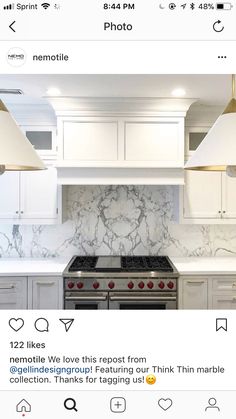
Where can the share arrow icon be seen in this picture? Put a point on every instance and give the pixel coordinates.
(67, 323)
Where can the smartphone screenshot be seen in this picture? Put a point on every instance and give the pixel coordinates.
(117, 209)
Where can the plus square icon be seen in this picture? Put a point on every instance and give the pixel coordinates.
(118, 405)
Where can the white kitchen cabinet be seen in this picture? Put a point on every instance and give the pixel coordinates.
(158, 140)
(90, 140)
(10, 195)
(223, 295)
(43, 139)
(30, 197)
(122, 142)
(201, 197)
(228, 197)
(194, 292)
(13, 293)
(45, 293)
(224, 302)
(208, 198)
(207, 292)
(39, 194)
(224, 283)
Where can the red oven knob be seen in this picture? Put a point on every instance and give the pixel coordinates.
(141, 285)
(70, 284)
(161, 285)
(96, 285)
(80, 285)
(130, 285)
(170, 285)
(111, 285)
(150, 285)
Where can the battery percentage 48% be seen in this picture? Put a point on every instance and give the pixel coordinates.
(206, 6)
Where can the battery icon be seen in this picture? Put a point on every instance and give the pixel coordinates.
(224, 6)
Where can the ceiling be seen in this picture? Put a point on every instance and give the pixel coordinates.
(209, 89)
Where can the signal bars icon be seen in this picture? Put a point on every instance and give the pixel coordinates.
(9, 7)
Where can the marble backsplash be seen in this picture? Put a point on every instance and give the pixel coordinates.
(105, 220)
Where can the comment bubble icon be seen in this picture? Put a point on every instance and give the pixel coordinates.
(41, 325)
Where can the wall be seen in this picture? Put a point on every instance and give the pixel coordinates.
(118, 220)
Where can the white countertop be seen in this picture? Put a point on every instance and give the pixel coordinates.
(205, 265)
(31, 267)
(185, 266)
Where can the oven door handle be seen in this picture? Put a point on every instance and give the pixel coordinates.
(86, 298)
(140, 298)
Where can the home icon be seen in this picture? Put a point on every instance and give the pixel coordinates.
(23, 406)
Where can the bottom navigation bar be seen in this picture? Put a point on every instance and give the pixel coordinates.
(138, 404)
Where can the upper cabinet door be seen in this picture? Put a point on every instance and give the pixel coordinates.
(9, 189)
(39, 194)
(159, 140)
(228, 196)
(43, 139)
(202, 195)
(90, 140)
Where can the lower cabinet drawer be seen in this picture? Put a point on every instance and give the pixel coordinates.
(224, 301)
(224, 284)
(13, 293)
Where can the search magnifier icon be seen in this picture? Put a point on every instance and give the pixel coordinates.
(70, 404)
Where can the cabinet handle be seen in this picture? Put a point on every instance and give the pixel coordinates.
(22, 212)
(17, 212)
(195, 282)
(219, 212)
(10, 287)
(224, 212)
(44, 283)
(233, 285)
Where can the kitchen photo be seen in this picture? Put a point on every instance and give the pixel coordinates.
(117, 192)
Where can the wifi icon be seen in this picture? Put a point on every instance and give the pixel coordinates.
(45, 5)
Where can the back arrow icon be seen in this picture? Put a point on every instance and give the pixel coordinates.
(216, 26)
(11, 26)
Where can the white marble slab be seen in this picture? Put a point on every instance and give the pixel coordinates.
(32, 267)
(185, 266)
(113, 220)
(205, 265)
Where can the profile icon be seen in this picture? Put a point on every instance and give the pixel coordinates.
(212, 404)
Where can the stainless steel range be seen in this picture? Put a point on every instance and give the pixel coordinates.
(120, 282)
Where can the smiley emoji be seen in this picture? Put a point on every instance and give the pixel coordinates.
(151, 379)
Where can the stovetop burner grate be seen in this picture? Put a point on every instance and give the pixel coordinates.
(146, 263)
(84, 263)
(121, 264)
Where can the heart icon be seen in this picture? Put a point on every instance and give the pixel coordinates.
(16, 324)
(165, 404)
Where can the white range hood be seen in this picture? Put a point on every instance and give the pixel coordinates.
(122, 141)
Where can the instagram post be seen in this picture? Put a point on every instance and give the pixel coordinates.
(117, 245)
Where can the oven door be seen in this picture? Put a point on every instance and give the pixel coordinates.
(142, 301)
(86, 301)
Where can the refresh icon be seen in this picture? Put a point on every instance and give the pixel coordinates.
(218, 26)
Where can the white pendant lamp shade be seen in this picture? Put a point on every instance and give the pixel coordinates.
(16, 152)
(217, 152)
